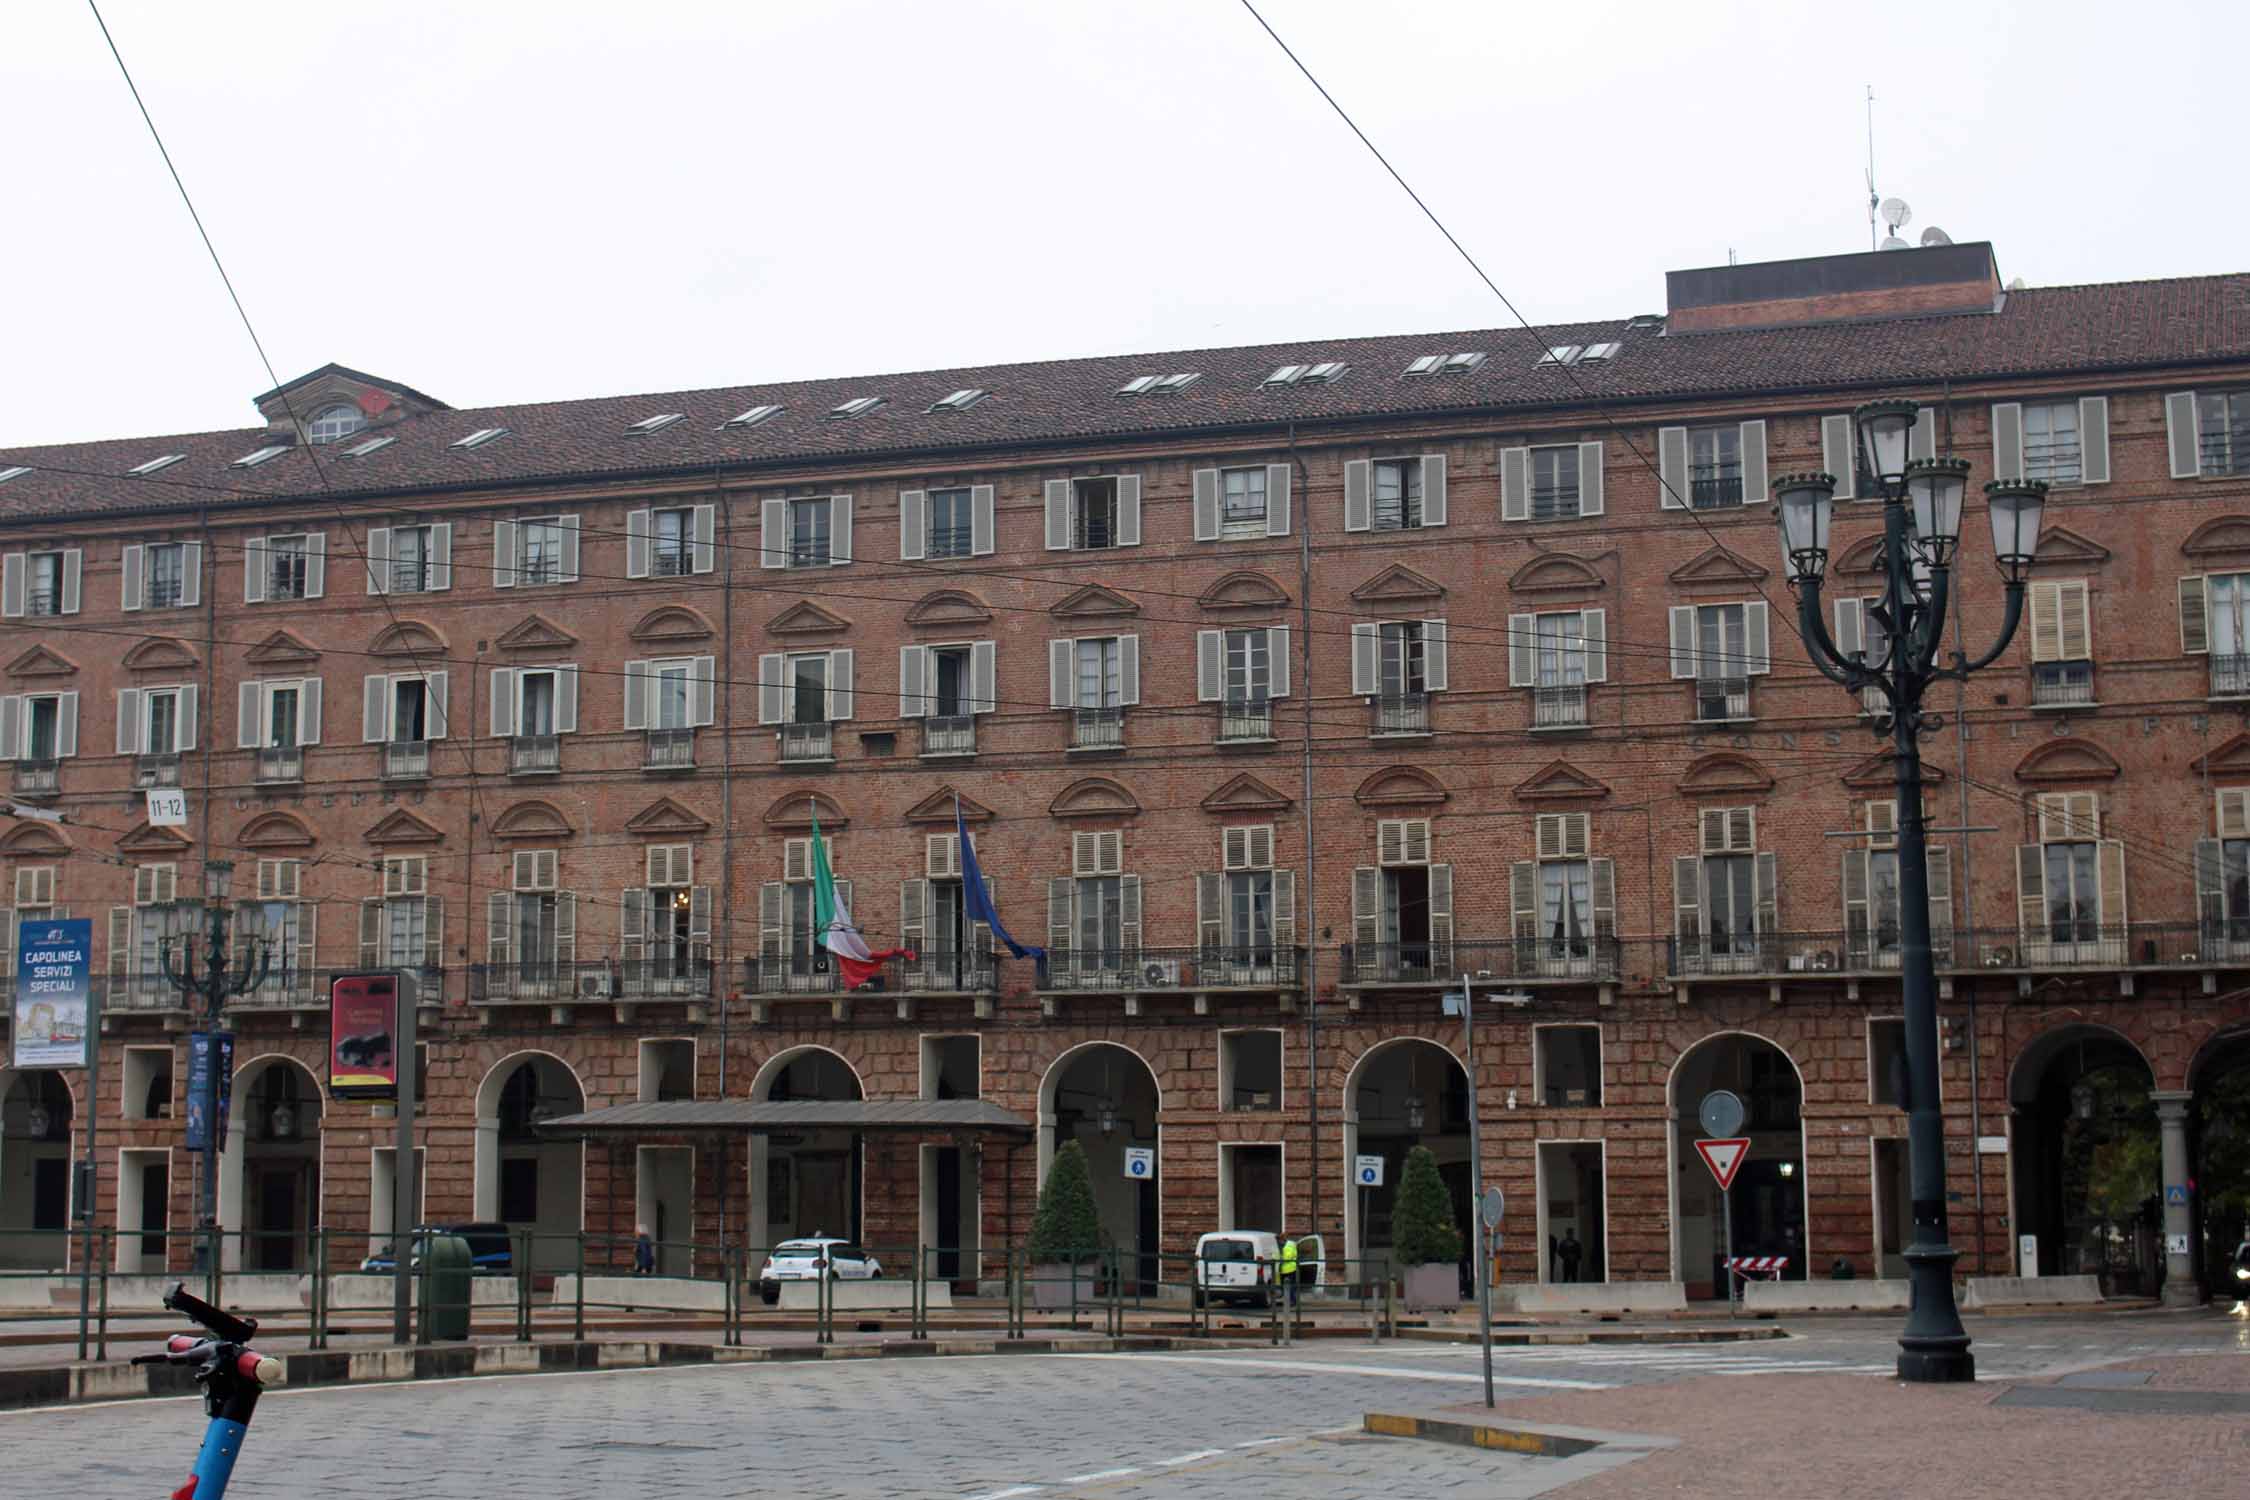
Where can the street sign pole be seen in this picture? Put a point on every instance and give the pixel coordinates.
(1476, 1174)
(89, 1179)
(406, 1208)
(1726, 1258)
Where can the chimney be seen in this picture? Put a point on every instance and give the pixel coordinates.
(1934, 281)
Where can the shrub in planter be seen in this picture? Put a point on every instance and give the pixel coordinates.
(1424, 1239)
(1065, 1232)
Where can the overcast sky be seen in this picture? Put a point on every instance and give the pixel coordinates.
(499, 202)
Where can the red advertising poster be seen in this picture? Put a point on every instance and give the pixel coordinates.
(363, 1036)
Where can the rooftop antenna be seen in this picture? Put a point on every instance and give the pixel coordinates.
(1872, 196)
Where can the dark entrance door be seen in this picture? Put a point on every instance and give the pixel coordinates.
(948, 1169)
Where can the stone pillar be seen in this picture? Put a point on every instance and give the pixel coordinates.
(2180, 1289)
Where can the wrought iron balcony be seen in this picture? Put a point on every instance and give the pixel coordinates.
(34, 778)
(1560, 706)
(949, 734)
(820, 974)
(808, 742)
(406, 760)
(671, 560)
(2062, 684)
(1401, 713)
(281, 763)
(156, 770)
(543, 981)
(1097, 729)
(1590, 959)
(670, 750)
(951, 541)
(1710, 488)
(1246, 719)
(410, 576)
(1144, 970)
(535, 755)
(1718, 699)
(669, 974)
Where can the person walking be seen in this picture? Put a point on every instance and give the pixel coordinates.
(644, 1252)
(1288, 1276)
(1570, 1251)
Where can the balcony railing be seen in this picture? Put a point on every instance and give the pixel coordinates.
(406, 760)
(540, 981)
(36, 777)
(670, 750)
(1097, 729)
(2230, 676)
(535, 755)
(410, 576)
(669, 974)
(1561, 706)
(820, 974)
(1246, 719)
(2056, 461)
(673, 561)
(1718, 699)
(1142, 970)
(1591, 959)
(156, 770)
(281, 763)
(949, 734)
(1709, 488)
(2062, 684)
(1401, 713)
(808, 742)
(2226, 450)
(951, 541)
(1876, 949)
(1554, 502)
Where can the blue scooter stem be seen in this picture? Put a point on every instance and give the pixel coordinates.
(214, 1465)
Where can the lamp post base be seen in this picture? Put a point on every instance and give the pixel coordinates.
(1937, 1366)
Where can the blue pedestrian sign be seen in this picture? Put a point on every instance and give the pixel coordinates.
(1367, 1171)
(2175, 1193)
(1140, 1162)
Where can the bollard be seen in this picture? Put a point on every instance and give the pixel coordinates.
(520, 1257)
(578, 1294)
(109, 1258)
(825, 1320)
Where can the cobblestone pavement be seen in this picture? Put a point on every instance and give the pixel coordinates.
(1278, 1422)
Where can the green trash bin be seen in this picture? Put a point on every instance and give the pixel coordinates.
(445, 1275)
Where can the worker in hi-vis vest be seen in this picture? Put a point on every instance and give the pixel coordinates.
(1289, 1270)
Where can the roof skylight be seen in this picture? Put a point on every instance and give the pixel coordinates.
(161, 461)
(1601, 351)
(1327, 372)
(361, 450)
(1286, 375)
(754, 416)
(480, 437)
(264, 455)
(1159, 385)
(959, 401)
(657, 423)
(1560, 354)
(858, 406)
(12, 471)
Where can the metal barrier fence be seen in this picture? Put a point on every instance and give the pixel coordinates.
(567, 1277)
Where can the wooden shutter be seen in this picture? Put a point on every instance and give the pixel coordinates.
(2093, 439)
(1206, 505)
(1768, 872)
(566, 927)
(703, 539)
(1358, 508)
(1433, 489)
(913, 913)
(640, 526)
(2195, 616)
(370, 931)
(1058, 515)
(1922, 441)
(12, 721)
(1839, 455)
(913, 664)
(131, 568)
(632, 924)
(441, 557)
(1277, 661)
(316, 564)
(773, 532)
(703, 679)
(981, 527)
(1367, 913)
(2007, 440)
(2031, 890)
(1858, 920)
(773, 922)
(1210, 910)
(566, 698)
(1210, 665)
(913, 525)
(1562, 835)
(1277, 502)
(1441, 917)
(773, 686)
(699, 923)
(2234, 813)
(1757, 648)
(1060, 927)
(2109, 879)
(840, 694)
(2182, 438)
(1672, 471)
(984, 676)
(183, 737)
(1683, 640)
(1590, 501)
(1515, 484)
(503, 701)
(1523, 901)
(1285, 910)
(500, 935)
(254, 570)
(839, 530)
(2210, 887)
(1436, 671)
(1128, 510)
(1687, 904)
(1367, 657)
(636, 694)
(1601, 880)
(1754, 463)
(14, 584)
(1062, 680)
(1937, 875)
(503, 554)
(1128, 669)
(1523, 650)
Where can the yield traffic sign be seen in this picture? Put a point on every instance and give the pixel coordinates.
(1724, 1158)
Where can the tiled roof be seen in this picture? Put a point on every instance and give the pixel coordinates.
(2056, 330)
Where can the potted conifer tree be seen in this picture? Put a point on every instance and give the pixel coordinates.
(1065, 1233)
(1425, 1242)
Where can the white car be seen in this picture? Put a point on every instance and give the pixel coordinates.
(807, 1260)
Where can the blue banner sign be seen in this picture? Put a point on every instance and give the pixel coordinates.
(54, 973)
(201, 1050)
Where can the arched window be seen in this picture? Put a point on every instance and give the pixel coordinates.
(338, 421)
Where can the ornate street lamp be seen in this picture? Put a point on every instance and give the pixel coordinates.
(214, 983)
(1921, 535)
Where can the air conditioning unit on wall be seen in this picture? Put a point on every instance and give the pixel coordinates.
(595, 985)
(1161, 971)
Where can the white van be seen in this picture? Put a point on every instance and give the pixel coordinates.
(1236, 1265)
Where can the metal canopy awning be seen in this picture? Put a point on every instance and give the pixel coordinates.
(718, 1117)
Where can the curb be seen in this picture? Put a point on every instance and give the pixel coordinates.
(1522, 1337)
(60, 1385)
(1533, 1442)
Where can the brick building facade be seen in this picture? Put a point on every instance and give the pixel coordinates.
(1281, 689)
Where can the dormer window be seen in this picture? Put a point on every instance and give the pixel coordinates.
(334, 422)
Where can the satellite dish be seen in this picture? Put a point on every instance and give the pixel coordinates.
(1895, 212)
(1893, 242)
(1936, 236)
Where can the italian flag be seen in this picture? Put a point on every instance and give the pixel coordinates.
(834, 921)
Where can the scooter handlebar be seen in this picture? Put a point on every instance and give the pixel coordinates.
(225, 1325)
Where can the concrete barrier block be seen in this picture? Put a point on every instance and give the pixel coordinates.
(869, 1296)
(625, 1355)
(1824, 1296)
(245, 1291)
(2032, 1291)
(663, 1293)
(107, 1382)
(382, 1364)
(507, 1359)
(355, 1292)
(1593, 1297)
(29, 1293)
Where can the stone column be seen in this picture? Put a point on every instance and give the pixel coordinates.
(2180, 1289)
